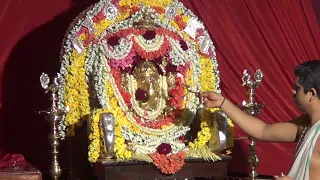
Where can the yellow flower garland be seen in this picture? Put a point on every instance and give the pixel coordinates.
(102, 26)
(94, 137)
(207, 84)
(75, 93)
(207, 79)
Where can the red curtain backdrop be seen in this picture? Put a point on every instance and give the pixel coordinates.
(270, 35)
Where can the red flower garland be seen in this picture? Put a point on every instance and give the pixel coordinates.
(116, 73)
(159, 10)
(99, 17)
(182, 25)
(168, 164)
(177, 94)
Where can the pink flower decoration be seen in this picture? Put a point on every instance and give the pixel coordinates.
(123, 63)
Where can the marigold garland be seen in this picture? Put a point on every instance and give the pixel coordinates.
(76, 94)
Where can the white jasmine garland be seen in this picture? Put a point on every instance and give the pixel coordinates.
(99, 79)
(91, 55)
(150, 45)
(145, 138)
(146, 144)
(176, 146)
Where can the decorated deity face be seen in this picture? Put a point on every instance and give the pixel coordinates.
(149, 90)
(149, 86)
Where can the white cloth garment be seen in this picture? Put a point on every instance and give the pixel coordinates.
(301, 164)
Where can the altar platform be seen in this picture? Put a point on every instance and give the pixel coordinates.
(193, 168)
(20, 172)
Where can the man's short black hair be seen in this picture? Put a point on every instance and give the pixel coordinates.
(309, 75)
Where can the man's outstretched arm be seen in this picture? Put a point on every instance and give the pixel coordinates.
(255, 127)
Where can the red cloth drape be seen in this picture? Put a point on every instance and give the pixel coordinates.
(11, 160)
(273, 36)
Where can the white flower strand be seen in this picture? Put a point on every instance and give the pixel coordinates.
(150, 45)
(100, 77)
(145, 144)
(141, 138)
(91, 55)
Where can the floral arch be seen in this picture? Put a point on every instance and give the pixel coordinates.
(142, 64)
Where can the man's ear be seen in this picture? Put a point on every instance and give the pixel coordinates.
(314, 93)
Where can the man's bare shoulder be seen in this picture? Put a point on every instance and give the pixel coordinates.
(301, 122)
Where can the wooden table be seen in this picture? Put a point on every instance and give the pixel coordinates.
(193, 168)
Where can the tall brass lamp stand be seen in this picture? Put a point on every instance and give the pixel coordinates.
(252, 108)
(54, 116)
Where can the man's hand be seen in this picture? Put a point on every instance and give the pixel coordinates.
(282, 178)
(212, 99)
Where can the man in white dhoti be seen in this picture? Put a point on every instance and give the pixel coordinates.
(306, 93)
